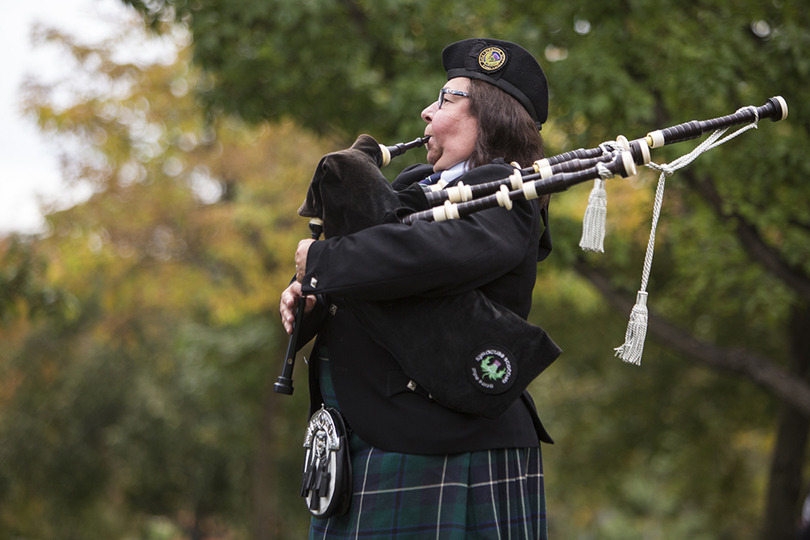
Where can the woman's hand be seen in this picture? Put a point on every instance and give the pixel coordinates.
(289, 303)
(301, 259)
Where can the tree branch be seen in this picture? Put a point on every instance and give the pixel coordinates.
(750, 239)
(358, 16)
(738, 360)
(382, 52)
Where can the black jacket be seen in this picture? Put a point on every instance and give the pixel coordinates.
(494, 251)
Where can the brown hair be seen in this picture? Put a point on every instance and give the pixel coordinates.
(505, 129)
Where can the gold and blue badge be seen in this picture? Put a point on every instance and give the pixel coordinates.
(492, 58)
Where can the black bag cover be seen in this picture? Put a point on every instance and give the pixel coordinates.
(348, 191)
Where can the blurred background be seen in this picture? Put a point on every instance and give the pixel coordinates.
(25, 154)
(139, 328)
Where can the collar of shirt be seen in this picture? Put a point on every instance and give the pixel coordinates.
(455, 171)
(447, 175)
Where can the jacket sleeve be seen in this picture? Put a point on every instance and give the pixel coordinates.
(426, 258)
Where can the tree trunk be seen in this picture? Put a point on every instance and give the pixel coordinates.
(782, 513)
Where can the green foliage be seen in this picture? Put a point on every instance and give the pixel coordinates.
(676, 452)
(332, 66)
(23, 289)
(96, 440)
(146, 411)
(669, 450)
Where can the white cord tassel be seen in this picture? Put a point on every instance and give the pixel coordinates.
(633, 345)
(593, 224)
(636, 333)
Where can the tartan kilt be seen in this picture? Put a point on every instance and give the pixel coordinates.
(490, 494)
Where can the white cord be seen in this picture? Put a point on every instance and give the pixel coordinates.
(633, 345)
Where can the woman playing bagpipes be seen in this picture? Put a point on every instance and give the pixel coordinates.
(422, 341)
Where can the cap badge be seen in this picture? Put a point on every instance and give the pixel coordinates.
(492, 58)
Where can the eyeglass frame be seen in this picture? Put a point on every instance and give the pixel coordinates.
(452, 92)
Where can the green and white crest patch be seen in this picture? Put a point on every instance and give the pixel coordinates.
(492, 369)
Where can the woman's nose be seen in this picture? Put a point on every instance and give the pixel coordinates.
(429, 111)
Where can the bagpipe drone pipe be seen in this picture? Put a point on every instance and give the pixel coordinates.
(349, 193)
(580, 163)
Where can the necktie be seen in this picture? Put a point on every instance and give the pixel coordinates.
(432, 179)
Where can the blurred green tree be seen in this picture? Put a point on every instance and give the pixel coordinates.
(731, 278)
(24, 290)
(147, 411)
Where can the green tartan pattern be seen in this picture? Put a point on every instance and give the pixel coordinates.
(494, 494)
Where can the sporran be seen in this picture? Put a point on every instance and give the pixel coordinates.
(327, 478)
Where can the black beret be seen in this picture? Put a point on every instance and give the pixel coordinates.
(506, 65)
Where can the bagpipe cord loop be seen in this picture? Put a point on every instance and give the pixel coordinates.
(632, 348)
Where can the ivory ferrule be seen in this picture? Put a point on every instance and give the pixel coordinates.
(386, 155)
(540, 164)
(451, 210)
(516, 180)
(530, 190)
(655, 139)
(503, 197)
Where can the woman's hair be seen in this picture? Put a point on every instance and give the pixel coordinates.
(505, 129)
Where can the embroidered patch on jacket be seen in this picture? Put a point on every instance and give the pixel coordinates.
(492, 58)
(492, 369)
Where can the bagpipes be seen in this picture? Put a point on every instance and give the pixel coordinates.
(560, 172)
(349, 193)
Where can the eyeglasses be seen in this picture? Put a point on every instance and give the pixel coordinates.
(444, 91)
